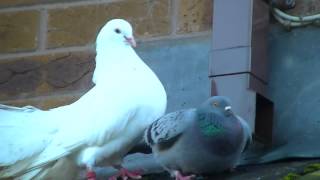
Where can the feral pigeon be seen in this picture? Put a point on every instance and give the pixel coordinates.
(104, 124)
(209, 139)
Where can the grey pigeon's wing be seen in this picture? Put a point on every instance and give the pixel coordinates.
(169, 127)
(247, 132)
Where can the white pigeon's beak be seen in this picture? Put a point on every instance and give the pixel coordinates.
(131, 41)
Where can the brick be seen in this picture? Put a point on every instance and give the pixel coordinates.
(46, 74)
(79, 25)
(306, 7)
(194, 16)
(45, 102)
(9, 3)
(18, 31)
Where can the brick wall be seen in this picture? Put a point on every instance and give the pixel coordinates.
(306, 7)
(46, 46)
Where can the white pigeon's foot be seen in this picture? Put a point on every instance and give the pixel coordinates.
(125, 174)
(91, 175)
(179, 176)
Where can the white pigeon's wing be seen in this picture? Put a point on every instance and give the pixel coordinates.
(86, 125)
(169, 126)
(22, 133)
(18, 109)
(64, 168)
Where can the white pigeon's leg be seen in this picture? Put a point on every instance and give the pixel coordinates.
(91, 175)
(179, 176)
(125, 174)
(87, 158)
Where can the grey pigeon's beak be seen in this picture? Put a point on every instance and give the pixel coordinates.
(131, 41)
(227, 108)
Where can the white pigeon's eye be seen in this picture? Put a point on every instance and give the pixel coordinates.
(117, 31)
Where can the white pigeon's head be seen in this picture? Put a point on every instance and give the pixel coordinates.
(116, 32)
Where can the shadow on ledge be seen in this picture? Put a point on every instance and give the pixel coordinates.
(153, 171)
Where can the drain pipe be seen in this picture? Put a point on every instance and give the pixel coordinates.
(238, 63)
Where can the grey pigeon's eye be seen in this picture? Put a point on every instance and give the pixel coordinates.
(215, 104)
(117, 31)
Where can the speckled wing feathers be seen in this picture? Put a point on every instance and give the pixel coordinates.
(169, 126)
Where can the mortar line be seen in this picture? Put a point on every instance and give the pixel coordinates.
(177, 36)
(174, 14)
(58, 5)
(12, 56)
(42, 38)
(76, 94)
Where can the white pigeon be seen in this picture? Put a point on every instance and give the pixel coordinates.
(104, 124)
(208, 139)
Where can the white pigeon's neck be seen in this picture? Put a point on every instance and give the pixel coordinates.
(113, 57)
(110, 51)
(103, 48)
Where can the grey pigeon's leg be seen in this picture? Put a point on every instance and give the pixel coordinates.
(179, 176)
(125, 174)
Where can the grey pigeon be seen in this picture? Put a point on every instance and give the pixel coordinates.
(209, 139)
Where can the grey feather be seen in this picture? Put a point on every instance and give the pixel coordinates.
(208, 139)
(169, 126)
(247, 132)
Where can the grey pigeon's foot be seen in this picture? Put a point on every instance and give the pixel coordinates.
(125, 174)
(179, 176)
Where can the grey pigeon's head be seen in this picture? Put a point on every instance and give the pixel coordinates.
(217, 104)
(115, 32)
(217, 127)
